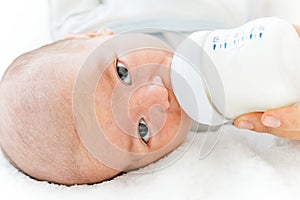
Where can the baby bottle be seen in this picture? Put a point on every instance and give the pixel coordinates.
(219, 75)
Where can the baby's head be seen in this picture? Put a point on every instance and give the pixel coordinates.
(39, 130)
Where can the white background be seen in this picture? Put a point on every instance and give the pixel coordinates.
(244, 165)
(23, 26)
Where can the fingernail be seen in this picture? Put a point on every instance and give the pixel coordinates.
(245, 125)
(271, 122)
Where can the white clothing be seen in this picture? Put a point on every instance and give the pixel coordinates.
(73, 16)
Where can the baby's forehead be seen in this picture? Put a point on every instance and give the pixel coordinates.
(145, 56)
(141, 48)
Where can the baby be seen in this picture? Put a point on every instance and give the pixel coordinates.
(42, 135)
(39, 130)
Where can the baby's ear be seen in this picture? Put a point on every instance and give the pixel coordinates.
(99, 33)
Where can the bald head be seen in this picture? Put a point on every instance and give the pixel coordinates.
(37, 129)
(38, 132)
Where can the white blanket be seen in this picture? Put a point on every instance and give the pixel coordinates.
(243, 165)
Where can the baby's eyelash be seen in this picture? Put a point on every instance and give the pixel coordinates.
(143, 131)
(123, 73)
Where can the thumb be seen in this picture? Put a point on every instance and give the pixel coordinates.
(286, 118)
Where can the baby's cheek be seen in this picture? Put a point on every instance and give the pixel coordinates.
(172, 133)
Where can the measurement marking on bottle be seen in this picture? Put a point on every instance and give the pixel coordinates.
(215, 46)
(236, 40)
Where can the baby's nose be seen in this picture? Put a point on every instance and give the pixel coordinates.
(144, 98)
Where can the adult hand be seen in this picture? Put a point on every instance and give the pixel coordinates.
(282, 122)
(99, 33)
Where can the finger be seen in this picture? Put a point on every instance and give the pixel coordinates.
(286, 118)
(104, 31)
(250, 121)
(297, 27)
(82, 35)
(254, 122)
(92, 34)
(76, 36)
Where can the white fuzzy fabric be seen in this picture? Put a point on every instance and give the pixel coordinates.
(244, 165)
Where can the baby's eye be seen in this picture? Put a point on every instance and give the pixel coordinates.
(123, 73)
(143, 131)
